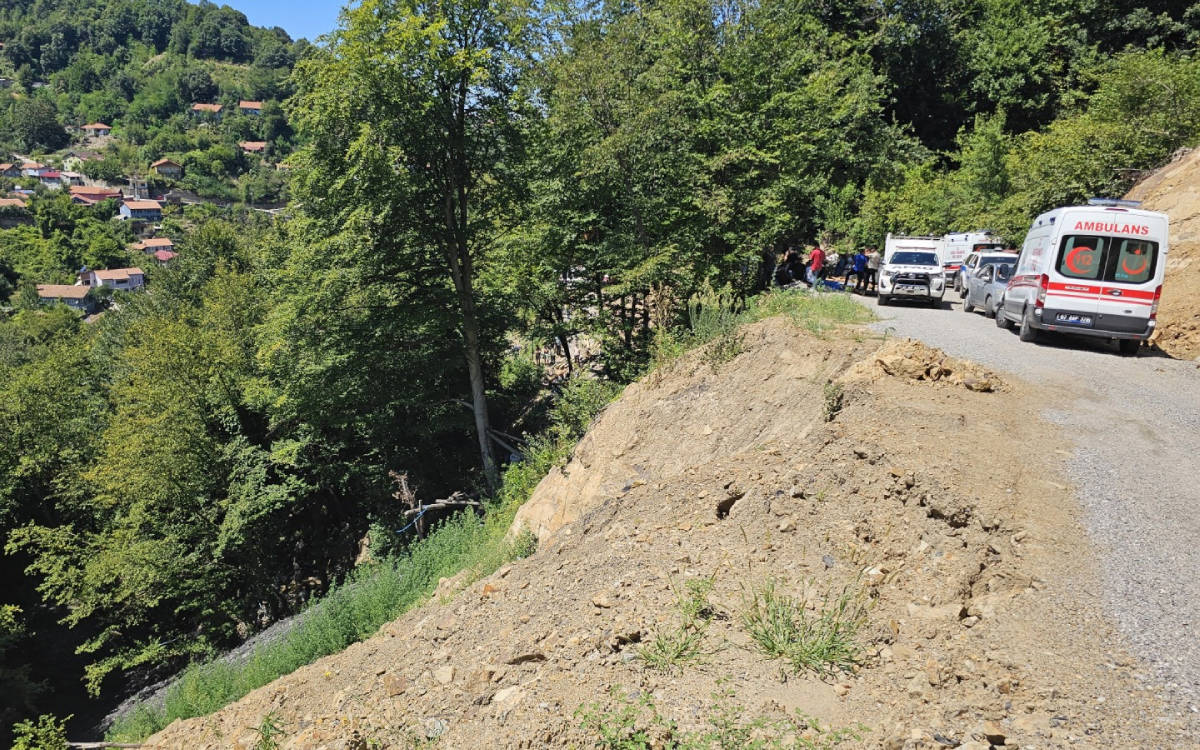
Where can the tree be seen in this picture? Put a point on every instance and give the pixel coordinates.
(33, 122)
(416, 113)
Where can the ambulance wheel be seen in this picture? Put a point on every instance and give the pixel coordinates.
(1028, 332)
(988, 310)
(1002, 320)
(967, 306)
(1129, 347)
(884, 299)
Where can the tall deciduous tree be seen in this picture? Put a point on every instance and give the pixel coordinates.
(414, 116)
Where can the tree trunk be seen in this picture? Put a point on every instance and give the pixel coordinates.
(457, 247)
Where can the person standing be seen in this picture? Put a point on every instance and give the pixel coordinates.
(816, 265)
(873, 260)
(858, 268)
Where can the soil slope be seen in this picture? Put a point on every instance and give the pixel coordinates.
(984, 627)
(1175, 190)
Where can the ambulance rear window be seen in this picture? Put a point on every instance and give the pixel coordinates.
(1080, 257)
(1132, 261)
(1116, 259)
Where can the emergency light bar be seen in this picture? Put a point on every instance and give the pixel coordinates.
(1113, 202)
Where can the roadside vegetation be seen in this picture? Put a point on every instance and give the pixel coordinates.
(823, 641)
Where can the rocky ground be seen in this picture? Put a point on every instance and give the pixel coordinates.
(823, 464)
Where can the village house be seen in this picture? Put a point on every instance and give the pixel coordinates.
(97, 129)
(51, 178)
(72, 295)
(250, 108)
(153, 244)
(116, 278)
(90, 195)
(14, 212)
(141, 210)
(33, 169)
(168, 168)
(10, 170)
(207, 110)
(72, 178)
(253, 147)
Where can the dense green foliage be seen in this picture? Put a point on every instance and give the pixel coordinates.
(472, 180)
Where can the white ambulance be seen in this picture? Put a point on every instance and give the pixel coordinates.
(1095, 270)
(956, 246)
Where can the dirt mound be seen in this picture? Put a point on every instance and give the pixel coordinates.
(920, 499)
(913, 360)
(671, 421)
(1175, 190)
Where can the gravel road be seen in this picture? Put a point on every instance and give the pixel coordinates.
(1135, 424)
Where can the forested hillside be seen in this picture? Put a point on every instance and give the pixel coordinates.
(472, 181)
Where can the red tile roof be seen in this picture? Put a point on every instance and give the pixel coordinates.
(253, 145)
(12, 202)
(206, 108)
(97, 126)
(164, 162)
(94, 190)
(244, 104)
(62, 291)
(143, 205)
(164, 255)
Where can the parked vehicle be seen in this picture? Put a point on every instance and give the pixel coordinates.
(956, 246)
(897, 243)
(986, 286)
(973, 262)
(1095, 270)
(912, 274)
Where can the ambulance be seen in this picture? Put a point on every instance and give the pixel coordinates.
(1094, 270)
(957, 245)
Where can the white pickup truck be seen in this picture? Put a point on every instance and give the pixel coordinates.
(912, 269)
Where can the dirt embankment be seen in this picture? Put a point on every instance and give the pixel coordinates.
(1175, 190)
(926, 484)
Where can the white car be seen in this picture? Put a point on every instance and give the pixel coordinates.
(912, 274)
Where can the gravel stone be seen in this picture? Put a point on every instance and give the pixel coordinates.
(1135, 424)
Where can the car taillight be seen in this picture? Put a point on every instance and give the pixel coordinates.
(1154, 306)
(1043, 287)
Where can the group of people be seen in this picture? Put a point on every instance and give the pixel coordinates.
(820, 264)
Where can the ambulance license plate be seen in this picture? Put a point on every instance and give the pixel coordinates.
(1072, 319)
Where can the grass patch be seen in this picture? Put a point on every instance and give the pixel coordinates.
(672, 649)
(373, 595)
(633, 722)
(832, 398)
(714, 317)
(822, 641)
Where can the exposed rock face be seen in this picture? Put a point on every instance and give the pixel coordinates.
(1175, 190)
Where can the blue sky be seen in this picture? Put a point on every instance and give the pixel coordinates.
(300, 18)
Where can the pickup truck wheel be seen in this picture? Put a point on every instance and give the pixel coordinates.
(1028, 332)
(884, 299)
(1129, 347)
(988, 310)
(1002, 320)
(967, 306)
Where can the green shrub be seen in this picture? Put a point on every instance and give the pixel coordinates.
(823, 642)
(48, 733)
